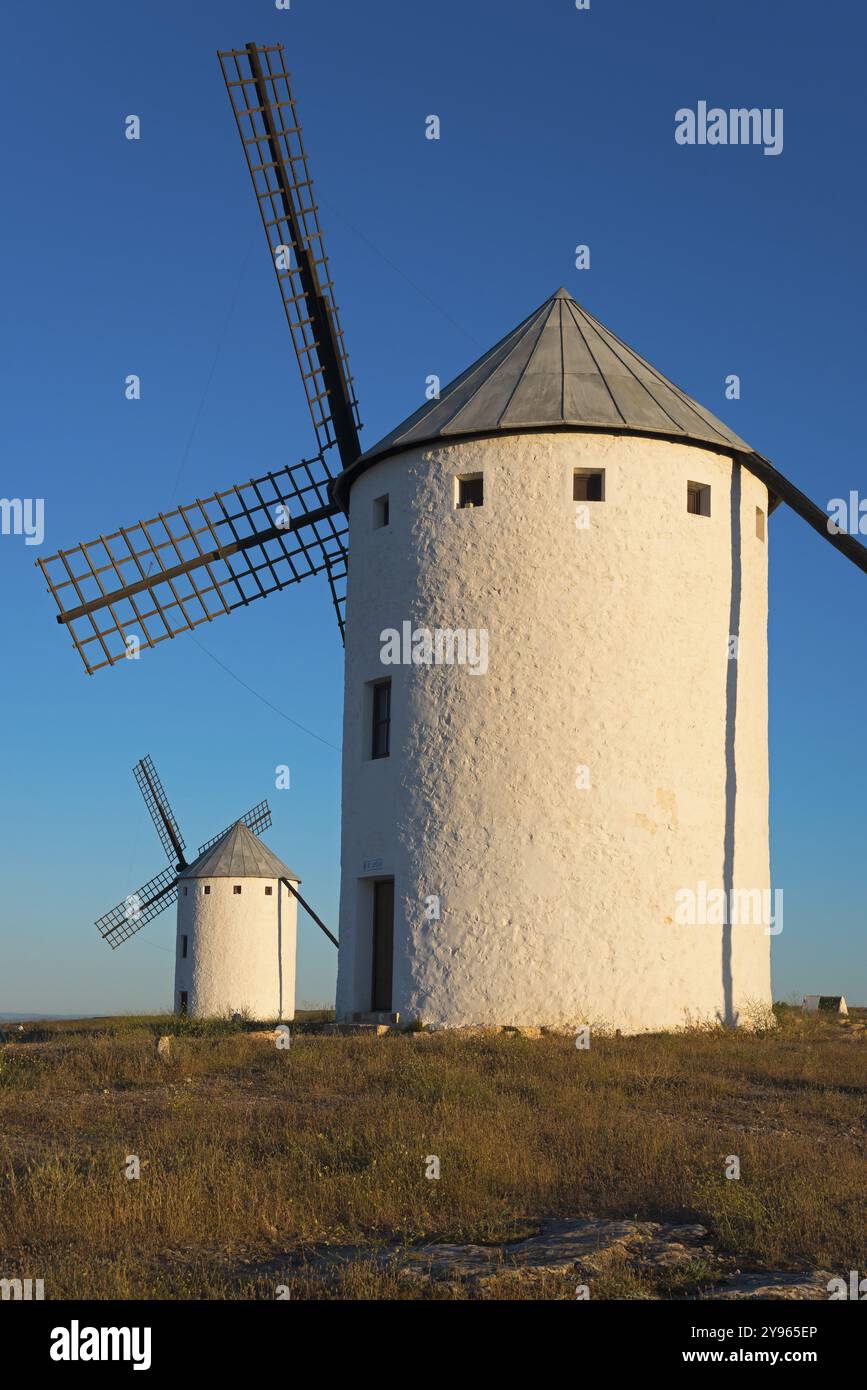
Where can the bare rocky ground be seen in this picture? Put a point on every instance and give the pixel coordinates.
(582, 1251)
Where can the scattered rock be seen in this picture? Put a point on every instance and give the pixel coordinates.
(374, 1030)
(811, 1283)
(164, 1047)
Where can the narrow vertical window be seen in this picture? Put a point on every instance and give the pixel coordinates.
(183, 1001)
(380, 511)
(269, 890)
(207, 888)
(183, 948)
(381, 719)
(760, 523)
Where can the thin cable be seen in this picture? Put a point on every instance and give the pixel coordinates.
(402, 273)
(249, 688)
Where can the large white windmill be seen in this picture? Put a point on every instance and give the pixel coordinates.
(518, 842)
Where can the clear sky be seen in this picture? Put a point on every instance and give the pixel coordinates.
(557, 128)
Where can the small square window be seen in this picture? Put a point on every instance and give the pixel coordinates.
(470, 491)
(698, 499)
(587, 485)
(760, 523)
(236, 888)
(269, 890)
(207, 888)
(380, 511)
(185, 892)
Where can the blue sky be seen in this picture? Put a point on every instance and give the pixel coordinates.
(557, 128)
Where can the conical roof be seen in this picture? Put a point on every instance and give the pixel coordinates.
(239, 854)
(559, 369)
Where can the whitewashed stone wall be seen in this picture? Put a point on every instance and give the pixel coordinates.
(240, 948)
(608, 647)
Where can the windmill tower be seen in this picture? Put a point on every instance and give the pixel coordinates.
(237, 909)
(517, 841)
(236, 931)
(531, 818)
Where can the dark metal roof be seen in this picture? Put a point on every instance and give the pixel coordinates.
(239, 854)
(559, 369)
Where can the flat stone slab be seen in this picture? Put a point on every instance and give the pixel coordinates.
(558, 1247)
(584, 1247)
(562, 1247)
(810, 1284)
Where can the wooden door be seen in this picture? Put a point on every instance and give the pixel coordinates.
(383, 944)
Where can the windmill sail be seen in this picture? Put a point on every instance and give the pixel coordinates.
(151, 581)
(139, 908)
(258, 86)
(258, 819)
(161, 813)
(779, 486)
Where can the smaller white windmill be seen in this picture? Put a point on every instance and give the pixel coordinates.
(237, 909)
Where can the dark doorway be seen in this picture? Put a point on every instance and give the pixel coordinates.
(183, 1001)
(383, 944)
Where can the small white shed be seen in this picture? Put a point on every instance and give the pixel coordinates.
(828, 1003)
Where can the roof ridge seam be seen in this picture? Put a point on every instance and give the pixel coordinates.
(604, 334)
(466, 376)
(562, 369)
(596, 364)
(528, 328)
(687, 400)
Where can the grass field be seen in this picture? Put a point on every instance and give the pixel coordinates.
(249, 1153)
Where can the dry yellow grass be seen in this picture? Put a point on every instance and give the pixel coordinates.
(249, 1152)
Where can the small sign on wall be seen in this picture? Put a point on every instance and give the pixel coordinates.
(371, 866)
